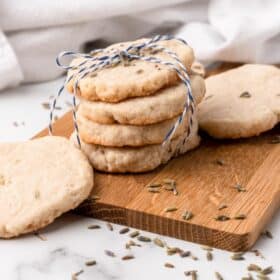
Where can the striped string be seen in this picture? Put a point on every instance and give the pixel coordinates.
(110, 58)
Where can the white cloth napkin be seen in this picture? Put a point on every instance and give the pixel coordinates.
(231, 30)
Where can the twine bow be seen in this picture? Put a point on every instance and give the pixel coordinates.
(93, 63)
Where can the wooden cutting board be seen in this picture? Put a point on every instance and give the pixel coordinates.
(203, 185)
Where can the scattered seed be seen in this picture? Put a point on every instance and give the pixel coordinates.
(238, 256)
(188, 215)
(267, 270)
(158, 242)
(40, 236)
(76, 274)
(192, 273)
(185, 254)
(257, 253)
(245, 94)
(267, 234)
(254, 267)
(262, 277)
(139, 71)
(169, 265)
(109, 253)
(2, 180)
(154, 185)
(194, 258)
(144, 238)
(15, 124)
(207, 248)
(109, 226)
(94, 227)
(90, 263)
(127, 257)
(169, 181)
(218, 276)
(95, 197)
(134, 234)
(209, 256)
(240, 217)
(220, 162)
(172, 251)
(36, 194)
(249, 277)
(240, 188)
(46, 105)
(124, 230)
(131, 243)
(170, 209)
(275, 140)
(222, 206)
(222, 218)
(168, 188)
(153, 190)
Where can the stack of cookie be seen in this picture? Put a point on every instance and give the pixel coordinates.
(126, 111)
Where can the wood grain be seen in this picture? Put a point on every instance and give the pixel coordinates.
(203, 185)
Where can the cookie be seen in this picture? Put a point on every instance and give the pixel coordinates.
(39, 180)
(134, 78)
(127, 159)
(242, 102)
(165, 104)
(119, 135)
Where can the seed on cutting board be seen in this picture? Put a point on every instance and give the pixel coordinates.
(254, 267)
(220, 162)
(134, 234)
(169, 265)
(94, 227)
(268, 234)
(187, 215)
(46, 105)
(275, 140)
(240, 188)
(153, 190)
(238, 256)
(194, 258)
(267, 270)
(168, 188)
(154, 185)
(158, 242)
(144, 238)
(218, 276)
(262, 277)
(109, 253)
(240, 217)
(90, 263)
(170, 209)
(185, 254)
(245, 94)
(131, 243)
(124, 230)
(257, 253)
(109, 226)
(169, 181)
(222, 206)
(127, 257)
(222, 218)
(209, 256)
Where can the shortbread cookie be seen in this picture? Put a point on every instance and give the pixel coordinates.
(242, 102)
(39, 180)
(119, 135)
(121, 160)
(165, 104)
(134, 78)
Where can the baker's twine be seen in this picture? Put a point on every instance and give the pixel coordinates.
(92, 64)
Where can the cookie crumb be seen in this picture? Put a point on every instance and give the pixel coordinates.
(245, 94)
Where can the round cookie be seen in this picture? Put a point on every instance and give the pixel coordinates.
(126, 159)
(242, 102)
(165, 104)
(39, 180)
(134, 78)
(119, 135)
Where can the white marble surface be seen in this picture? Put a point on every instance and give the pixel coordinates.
(69, 243)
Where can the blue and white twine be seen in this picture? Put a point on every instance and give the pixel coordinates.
(92, 63)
